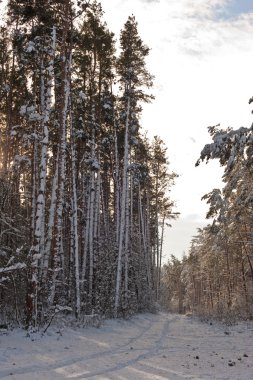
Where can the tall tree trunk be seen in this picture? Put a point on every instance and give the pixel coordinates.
(122, 226)
(37, 249)
(66, 65)
(92, 209)
(50, 223)
(144, 239)
(74, 221)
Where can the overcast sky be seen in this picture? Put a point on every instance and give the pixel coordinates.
(202, 60)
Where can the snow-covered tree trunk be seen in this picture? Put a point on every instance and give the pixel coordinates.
(97, 206)
(105, 212)
(37, 249)
(74, 220)
(122, 226)
(35, 182)
(161, 246)
(91, 222)
(157, 243)
(116, 185)
(144, 238)
(66, 68)
(126, 247)
(50, 226)
(85, 234)
(148, 241)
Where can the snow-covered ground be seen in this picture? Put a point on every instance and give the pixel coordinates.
(149, 346)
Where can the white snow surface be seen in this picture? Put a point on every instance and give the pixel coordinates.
(148, 346)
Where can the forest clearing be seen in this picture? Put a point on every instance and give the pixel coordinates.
(148, 346)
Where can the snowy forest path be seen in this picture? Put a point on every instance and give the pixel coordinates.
(149, 346)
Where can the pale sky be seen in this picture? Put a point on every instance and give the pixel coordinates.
(202, 60)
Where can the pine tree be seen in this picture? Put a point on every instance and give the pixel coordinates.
(133, 78)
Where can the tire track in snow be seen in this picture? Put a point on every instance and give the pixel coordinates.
(149, 353)
(153, 346)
